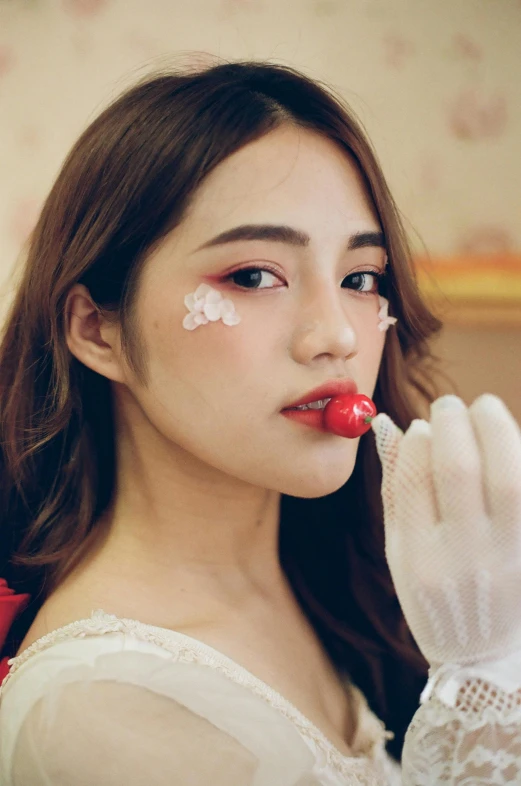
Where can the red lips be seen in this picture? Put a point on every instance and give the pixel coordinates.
(336, 387)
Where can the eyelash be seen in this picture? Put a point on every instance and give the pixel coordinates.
(379, 277)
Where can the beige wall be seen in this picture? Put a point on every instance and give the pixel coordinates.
(483, 361)
(436, 83)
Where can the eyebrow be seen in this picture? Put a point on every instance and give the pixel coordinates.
(285, 234)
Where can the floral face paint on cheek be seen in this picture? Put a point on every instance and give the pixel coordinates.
(207, 304)
(384, 320)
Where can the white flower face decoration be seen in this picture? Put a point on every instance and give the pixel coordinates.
(207, 304)
(383, 319)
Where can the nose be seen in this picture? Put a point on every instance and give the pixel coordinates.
(324, 329)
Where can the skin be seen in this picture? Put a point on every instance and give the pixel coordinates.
(203, 451)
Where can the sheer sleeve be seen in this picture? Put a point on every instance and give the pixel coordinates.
(133, 718)
(468, 727)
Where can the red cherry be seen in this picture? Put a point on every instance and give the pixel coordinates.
(349, 416)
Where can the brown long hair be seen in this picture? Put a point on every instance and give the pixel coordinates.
(125, 184)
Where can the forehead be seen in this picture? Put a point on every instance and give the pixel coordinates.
(292, 176)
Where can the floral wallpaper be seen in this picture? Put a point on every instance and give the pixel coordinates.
(437, 84)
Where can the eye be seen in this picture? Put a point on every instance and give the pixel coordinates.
(366, 282)
(254, 278)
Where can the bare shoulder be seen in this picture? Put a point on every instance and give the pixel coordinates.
(56, 613)
(79, 597)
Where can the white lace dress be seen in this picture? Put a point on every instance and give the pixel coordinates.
(108, 701)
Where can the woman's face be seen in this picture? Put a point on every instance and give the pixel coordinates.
(217, 391)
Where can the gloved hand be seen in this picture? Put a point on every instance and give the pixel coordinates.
(452, 501)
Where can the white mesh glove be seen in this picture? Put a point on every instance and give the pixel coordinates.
(452, 502)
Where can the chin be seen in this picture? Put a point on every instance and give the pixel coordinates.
(314, 492)
(317, 484)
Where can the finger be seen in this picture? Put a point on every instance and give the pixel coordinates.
(413, 483)
(499, 439)
(412, 540)
(456, 462)
(388, 437)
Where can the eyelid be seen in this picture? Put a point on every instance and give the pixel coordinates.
(367, 268)
(364, 268)
(254, 266)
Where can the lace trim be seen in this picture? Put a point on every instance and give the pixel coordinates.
(479, 704)
(445, 745)
(476, 696)
(188, 650)
(483, 698)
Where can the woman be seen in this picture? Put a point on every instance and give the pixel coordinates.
(210, 601)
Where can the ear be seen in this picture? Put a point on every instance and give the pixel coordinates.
(92, 337)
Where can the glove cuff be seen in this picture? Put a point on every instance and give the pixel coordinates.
(494, 686)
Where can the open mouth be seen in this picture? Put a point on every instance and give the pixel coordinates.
(312, 405)
(309, 409)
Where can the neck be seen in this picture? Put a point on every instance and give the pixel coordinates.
(174, 519)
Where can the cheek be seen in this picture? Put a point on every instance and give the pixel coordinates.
(370, 350)
(213, 363)
(213, 393)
